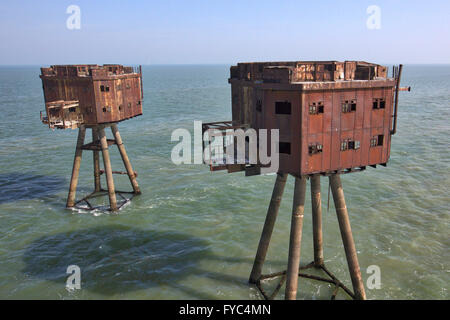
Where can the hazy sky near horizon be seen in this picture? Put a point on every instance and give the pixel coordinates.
(216, 31)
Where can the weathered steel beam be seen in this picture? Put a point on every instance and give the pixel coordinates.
(76, 167)
(97, 181)
(347, 237)
(125, 159)
(269, 223)
(317, 220)
(108, 169)
(295, 242)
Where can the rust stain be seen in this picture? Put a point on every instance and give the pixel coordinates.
(90, 94)
(333, 116)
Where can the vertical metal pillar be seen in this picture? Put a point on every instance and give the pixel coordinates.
(347, 237)
(108, 170)
(296, 238)
(97, 181)
(269, 223)
(125, 159)
(317, 220)
(76, 167)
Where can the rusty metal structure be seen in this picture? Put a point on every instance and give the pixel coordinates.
(94, 97)
(333, 118)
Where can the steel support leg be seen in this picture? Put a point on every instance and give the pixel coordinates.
(97, 181)
(269, 223)
(347, 237)
(296, 239)
(317, 220)
(125, 159)
(108, 170)
(76, 167)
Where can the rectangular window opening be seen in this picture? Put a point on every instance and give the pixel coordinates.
(380, 140)
(285, 147)
(315, 148)
(375, 104)
(282, 107)
(259, 105)
(316, 108)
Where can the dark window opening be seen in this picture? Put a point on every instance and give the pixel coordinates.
(120, 107)
(350, 145)
(107, 109)
(259, 105)
(379, 103)
(349, 106)
(104, 88)
(285, 147)
(377, 141)
(375, 104)
(104, 109)
(316, 108)
(380, 139)
(329, 67)
(282, 107)
(315, 148)
(72, 109)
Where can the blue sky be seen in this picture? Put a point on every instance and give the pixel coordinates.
(215, 31)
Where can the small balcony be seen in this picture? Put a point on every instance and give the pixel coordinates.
(62, 114)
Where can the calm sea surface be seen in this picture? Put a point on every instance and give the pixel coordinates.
(192, 234)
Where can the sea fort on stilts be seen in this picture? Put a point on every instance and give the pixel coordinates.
(94, 97)
(333, 118)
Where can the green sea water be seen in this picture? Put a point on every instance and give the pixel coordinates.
(193, 234)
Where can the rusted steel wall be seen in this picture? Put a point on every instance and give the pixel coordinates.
(327, 121)
(108, 93)
(346, 137)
